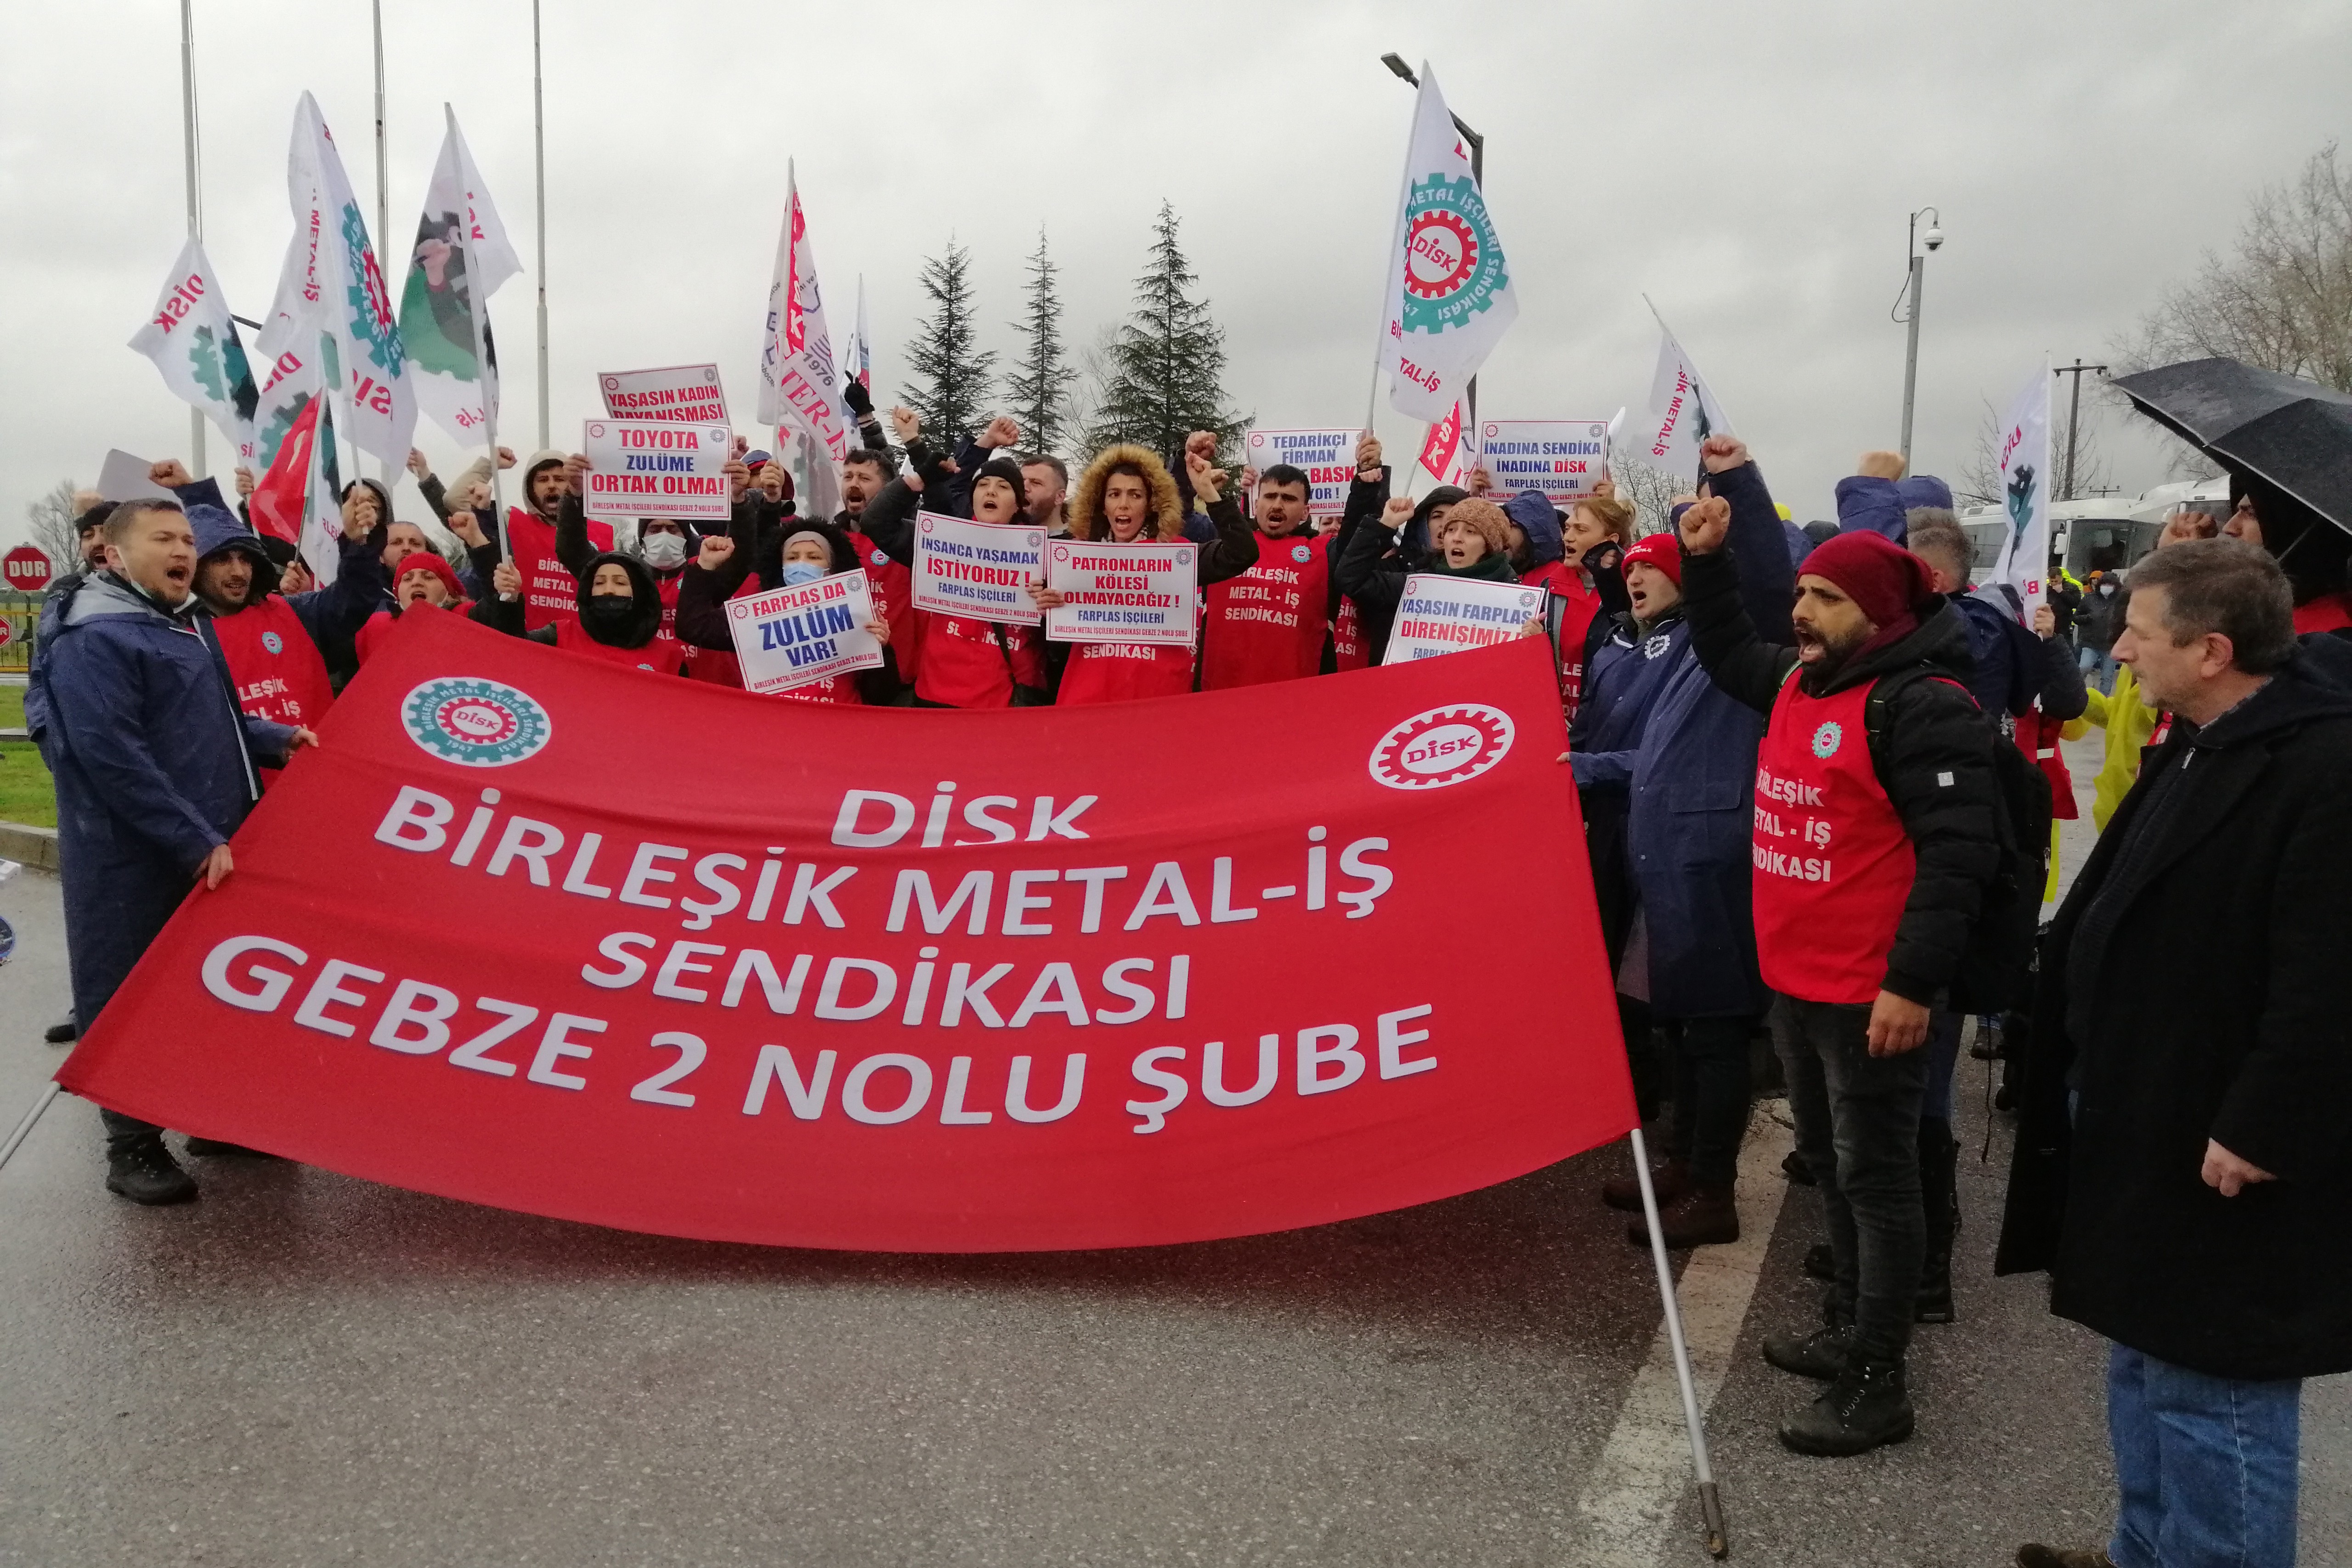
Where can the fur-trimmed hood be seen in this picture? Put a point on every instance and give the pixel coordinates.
(1086, 521)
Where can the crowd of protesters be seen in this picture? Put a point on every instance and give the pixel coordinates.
(1818, 772)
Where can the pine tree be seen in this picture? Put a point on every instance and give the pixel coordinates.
(951, 373)
(1168, 364)
(1039, 386)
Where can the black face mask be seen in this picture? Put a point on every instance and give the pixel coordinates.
(608, 611)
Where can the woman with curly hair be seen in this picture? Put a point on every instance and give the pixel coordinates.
(1127, 497)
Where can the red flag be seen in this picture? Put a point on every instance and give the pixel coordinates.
(844, 1004)
(1444, 444)
(277, 503)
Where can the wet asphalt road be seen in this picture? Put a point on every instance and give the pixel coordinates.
(304, 1369)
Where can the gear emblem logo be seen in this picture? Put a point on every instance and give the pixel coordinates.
(475, 723)
(1302, 554)
(374, 322)
(1442, 746)
(1827, 738)
(273, 641)
(1453, 264)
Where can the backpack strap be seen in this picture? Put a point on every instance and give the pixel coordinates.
(1886, 688)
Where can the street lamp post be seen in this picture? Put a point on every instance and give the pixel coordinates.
(1934, 240)
(1395, 62)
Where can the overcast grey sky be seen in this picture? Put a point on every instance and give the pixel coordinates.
(1749, 166)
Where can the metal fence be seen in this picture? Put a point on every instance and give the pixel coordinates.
(19, 613)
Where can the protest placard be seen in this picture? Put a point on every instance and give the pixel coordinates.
(1564, 458)
(688, 393)
(1124, 594)
(791, 636)
(980, 571)
(122, 477)
(1328, 457)
(1439, 614)
(654, 468)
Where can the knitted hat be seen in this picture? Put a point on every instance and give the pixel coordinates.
(1885, 580)
(1662, 549)
(1006, 469)
(432, 561)
(1485, 516)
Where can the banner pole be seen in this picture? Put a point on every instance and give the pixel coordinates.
(477, 310)
(25, 1127)
(539, 156)
(1710, 1503)
(385, 467)
(195, 212)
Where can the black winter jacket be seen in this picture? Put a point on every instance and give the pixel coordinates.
(2218, 1006)
(1935, 761)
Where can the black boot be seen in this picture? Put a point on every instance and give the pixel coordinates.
(1821, 1262)
(138, 1167)
(1940, 1199)
(1820, 1354)
(1794, 1167)
(1867, 1407)
(63, 1031)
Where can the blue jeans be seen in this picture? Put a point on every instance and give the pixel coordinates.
(2206, 1465)
(1943, 1048)
(2100, 666)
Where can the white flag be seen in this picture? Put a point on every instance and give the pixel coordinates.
(331, 283)
(857, 365)
(292, 380)
(799, 389)
(461, 256)
(2024, 563)
(193, 339)
(1683, 412)
(322, 508)
(1449, 293)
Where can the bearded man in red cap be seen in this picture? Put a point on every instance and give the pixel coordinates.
(1875, 837)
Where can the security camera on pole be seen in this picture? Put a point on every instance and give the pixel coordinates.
(1908, 302)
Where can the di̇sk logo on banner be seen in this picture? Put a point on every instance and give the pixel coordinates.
(1442, 746)
(475, 723)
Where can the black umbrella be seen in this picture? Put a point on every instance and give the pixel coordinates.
(2288, 435)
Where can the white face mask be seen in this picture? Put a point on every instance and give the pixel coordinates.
(799, 573)
(664, 552)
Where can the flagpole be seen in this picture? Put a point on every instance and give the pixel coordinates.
(383, 191)
(195, 215)
(538, 144)
(477, 307)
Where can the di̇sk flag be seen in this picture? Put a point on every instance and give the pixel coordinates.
(332, 287)
(799, 389)
(1449, 290)
(2024, 564)
(461, 256)
(1683, 412)
(193, 339)
(1132, 976)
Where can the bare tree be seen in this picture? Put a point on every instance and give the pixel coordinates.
(52, 521)
(1650, 491)
(1097, 366)
(2282, 300)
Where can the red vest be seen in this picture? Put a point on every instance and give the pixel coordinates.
(2037, 735)
(964, 667)
(658, 656)
(372, 636)
(2329, 614)
(1267, 624)
(1122, 672)
(1579, 605)
(1347, 638)
(1833, 865)
(550, 592)
(719, 666)
(893, 588)
(279, 673)
(832, 689)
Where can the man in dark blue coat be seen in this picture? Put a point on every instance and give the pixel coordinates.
(154, 769)
(1689, 780)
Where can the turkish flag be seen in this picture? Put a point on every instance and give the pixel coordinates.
(279, 502)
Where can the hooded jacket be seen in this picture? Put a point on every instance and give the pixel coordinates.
(1934, 760)
(1690, 782)
(634, 633)
(1235, 550)
(155, 767)
(2193, 988)
(1532, 511)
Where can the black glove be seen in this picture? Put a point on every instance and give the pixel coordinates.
(860, 400)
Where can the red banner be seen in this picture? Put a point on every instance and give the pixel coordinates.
(532, 930)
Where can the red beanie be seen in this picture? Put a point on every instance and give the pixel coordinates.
(1886, 580)
(432, 561)
(1663, 549)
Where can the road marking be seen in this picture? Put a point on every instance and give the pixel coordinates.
(1644, 1470)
